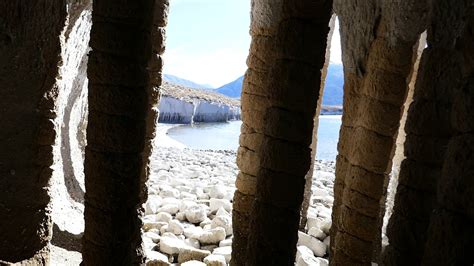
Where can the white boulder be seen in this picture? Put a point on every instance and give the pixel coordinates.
(215, 204)
(163, 217)
(223, 251)
(316, 232)
(196, 214)
(319, 248)
(215, 260)
(224, 222)
(175, 227)
(190, 253)
(212, 236)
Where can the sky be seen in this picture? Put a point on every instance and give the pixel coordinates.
(208, 40)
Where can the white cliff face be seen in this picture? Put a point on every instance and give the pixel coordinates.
(173, 110)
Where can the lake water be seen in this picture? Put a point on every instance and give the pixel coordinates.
(225, 136)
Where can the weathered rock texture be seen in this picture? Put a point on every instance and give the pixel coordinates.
(279, 100)
(442, 97)
(378, 49)
(29, 58)
(124, 72)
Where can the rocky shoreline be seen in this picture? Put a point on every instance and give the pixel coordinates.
(188, 213)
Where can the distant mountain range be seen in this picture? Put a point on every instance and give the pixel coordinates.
(184, 82)
(232, 89)
(333, 91)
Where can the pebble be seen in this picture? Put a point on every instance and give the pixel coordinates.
(190, 253)
(226, 242)
(224, 222)
(171, 246)
(215, 260)
(176, 227)
(169, 208)
(212, 236)
(215, 204)
(316, 232)
(163, 217)
(318, 247)
(189, 207)
(196, 214)
(223, 251)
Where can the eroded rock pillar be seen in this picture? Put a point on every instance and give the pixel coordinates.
(290, 90)
(451, 230)
(378, 55)
(124, 70)
(29, 58)
(428, 132)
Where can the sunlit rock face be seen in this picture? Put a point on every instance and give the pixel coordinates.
(184, 106)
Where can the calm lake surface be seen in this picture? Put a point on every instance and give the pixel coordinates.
(225, 136)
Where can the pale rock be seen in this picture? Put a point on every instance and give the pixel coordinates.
(303, 251)
(318, 192)
(149, 218)
(172, 201)
(148, 243)
(192, 242)
(177, 182)
(318, 247)
(164, 229)
(326, 226)
(153, 236)
(186, 204)
(190, 253)
(163, 217)
(207, 227)
(313, 222)
(323, 262)
(221, 211)
(215, 204)
(169, 208)
(153, 225)
(152, 204)
(196, 214)
(217, 192)
(155, 258)
(212, 236)
(307, 260)
(215, 260)
(223, 251)
(188, 196)
(171, 246)
(193, 263)
(181, 216)
(205, 222)
(193, 232)
(224, 222)
(226, 243)
(175, 227)
(327, 241)
(316, 232)
(229, 195)
(169, 192)
(169, 234)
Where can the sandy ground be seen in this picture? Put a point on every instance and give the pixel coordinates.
(188, 214)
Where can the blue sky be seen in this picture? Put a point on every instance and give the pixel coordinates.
(208, 40)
